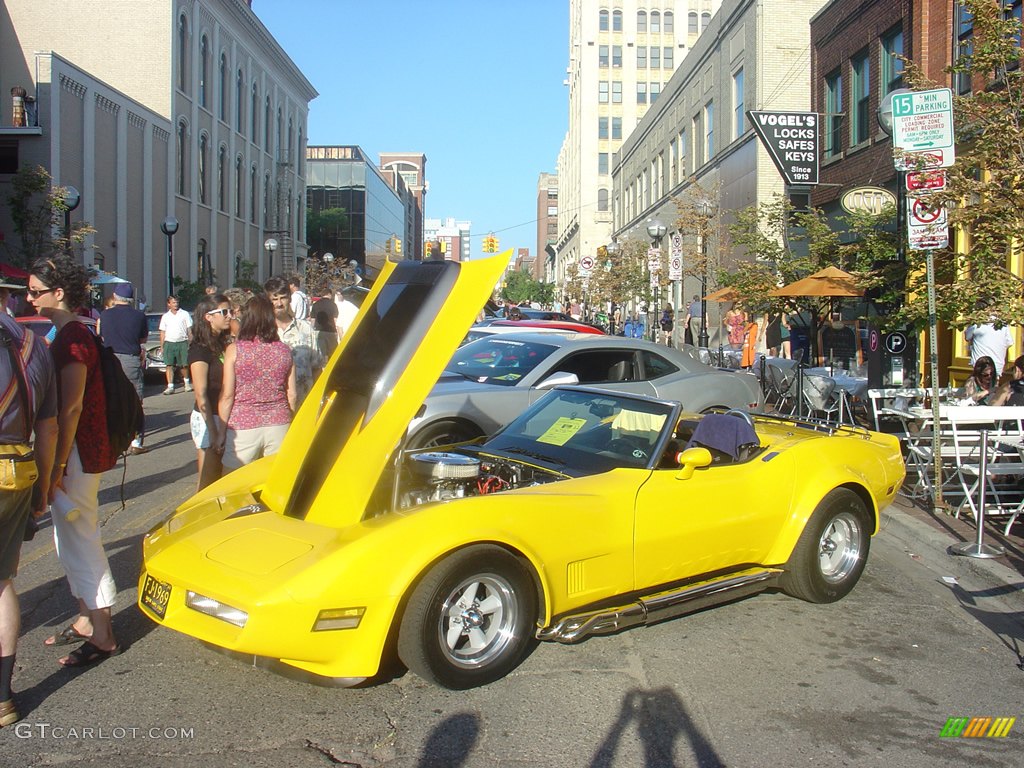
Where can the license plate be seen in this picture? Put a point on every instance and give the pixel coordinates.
(155, 595)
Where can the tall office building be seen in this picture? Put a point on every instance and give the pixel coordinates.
(547, 226)
(162, 108)
(620, 56)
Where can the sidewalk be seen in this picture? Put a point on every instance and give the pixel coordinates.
(940, 528)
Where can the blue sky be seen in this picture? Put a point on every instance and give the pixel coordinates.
(476, 85)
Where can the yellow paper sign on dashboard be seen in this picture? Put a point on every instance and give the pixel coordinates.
(561, 431)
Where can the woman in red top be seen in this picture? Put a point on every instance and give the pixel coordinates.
(56, 287)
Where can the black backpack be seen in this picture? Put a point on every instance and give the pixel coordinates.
(124, 409)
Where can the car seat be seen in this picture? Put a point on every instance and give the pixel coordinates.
(730, 439)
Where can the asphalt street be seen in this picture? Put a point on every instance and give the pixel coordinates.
(765, 681)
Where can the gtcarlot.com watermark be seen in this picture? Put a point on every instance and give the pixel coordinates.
(24, 730)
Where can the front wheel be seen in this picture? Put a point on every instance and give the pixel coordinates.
(469, 621)
(832, 551)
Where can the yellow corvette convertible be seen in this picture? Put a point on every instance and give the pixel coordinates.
(591, 512)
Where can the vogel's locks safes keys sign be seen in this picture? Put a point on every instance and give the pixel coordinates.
(792, 140)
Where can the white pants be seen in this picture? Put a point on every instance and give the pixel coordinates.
(244, 446)
(77, 539)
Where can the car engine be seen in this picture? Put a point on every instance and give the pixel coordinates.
(442, 475)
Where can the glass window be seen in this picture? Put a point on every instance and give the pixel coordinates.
(266, 125)
(602, 199)
(616, 56)
(655, 22)
(691, 25)
(705, 19)
(860, 89)
(833, 113)
(709, 130)
(1012, 10)
(641, 57)
(964, 45)
(892, 67)
(617, 92)
(655, 57)
(698, 141)
(203, 152)
(290, 146)
(641, 21)
(641, 93)
(280, 132)
(666, 57)
(223, 110)
(617, 128)
(240, 99)
(254, 132)
(655, 91)
(656, 366)
(669, 20)
(204, 71)
(182, 158)
(266, 200)
(239, 186)
(222, 162)
(616, 21)
(602, 92)
(683, 151)
(252, 193)
(602, 21)
(738, 116)
(602, 56)
(301, 151)
(673, 154)
(183, 56)
(602, 163)
(602, 127)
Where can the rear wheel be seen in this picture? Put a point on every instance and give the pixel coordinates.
(469, 621)
(832, 551)
(443, 433)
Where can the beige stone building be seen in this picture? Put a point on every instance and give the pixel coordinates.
(181, 108)
(621, 55)
(744, 60)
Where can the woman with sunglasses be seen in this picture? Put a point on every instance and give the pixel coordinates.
(57, 287)
(211, 332)
(982, 382)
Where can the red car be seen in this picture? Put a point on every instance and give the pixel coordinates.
(562, 325)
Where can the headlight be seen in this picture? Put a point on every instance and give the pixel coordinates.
(215, 608)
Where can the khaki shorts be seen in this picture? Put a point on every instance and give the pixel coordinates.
(15, 507)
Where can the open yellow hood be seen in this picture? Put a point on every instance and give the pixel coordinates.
(350, 424)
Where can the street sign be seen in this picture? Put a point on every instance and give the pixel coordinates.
(895, 342)
(675, 268)
(927, 225)
(926, 181)
(923, 128)
(792, 141)
(654, 260)
(586, 265)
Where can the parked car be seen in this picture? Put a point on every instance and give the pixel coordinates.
(490, 381)
(593, 511)
(480, 330)
(528, 313)
(154, 350)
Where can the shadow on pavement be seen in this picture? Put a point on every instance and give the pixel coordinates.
(451, 742)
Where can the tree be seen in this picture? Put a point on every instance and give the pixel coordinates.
(521, 288)
(324, 225)
(984, 194)
(37, 210)
(622, 277)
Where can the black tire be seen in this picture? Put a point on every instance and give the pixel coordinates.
(442, 433)
(832, 551)
(499, 619)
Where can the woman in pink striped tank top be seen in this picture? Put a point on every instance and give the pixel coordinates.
(258, 394)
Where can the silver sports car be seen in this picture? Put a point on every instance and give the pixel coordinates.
(492, 380)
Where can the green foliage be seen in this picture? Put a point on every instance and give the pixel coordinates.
(37, 211)
(189, 293)
(246, 277)
(619, 276)
(323, 226)
(521, 288)
(984, 193)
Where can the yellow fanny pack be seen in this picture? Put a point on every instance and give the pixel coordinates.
(18, 470)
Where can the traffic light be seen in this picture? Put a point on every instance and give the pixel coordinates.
(490, 244)
(426, 250)
(398, 246)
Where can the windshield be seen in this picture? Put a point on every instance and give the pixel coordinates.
(497, 360)
(581, 432)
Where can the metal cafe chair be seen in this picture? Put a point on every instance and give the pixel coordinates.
(820, 396)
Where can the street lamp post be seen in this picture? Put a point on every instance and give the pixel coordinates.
(656, 230)
(613, 249)
(169, 226)
(705, 212)
(72, 197)
(271, 246)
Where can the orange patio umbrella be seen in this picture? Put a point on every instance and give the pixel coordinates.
(722, 294)
(830, 282)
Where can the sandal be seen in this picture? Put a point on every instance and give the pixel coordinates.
(88, 654)
(67, 636)
(8, 714)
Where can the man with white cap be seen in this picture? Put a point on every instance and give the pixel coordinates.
(123, 328)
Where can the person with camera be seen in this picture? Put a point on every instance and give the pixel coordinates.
(28, 404)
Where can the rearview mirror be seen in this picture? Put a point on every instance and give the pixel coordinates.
(690, 460)
(559, 378)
